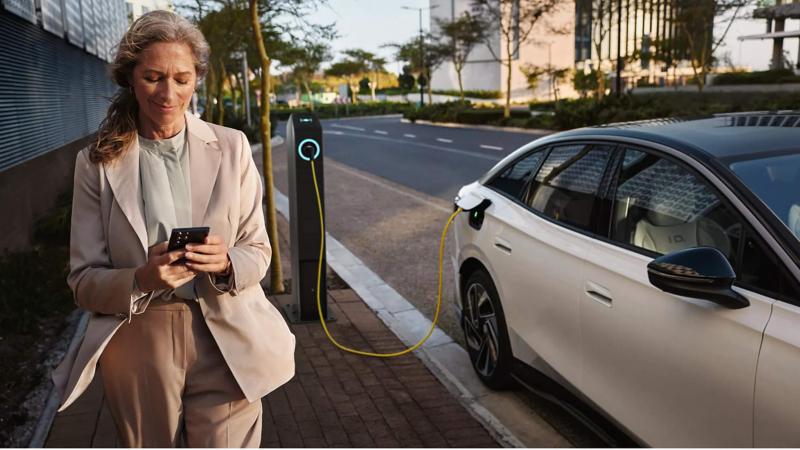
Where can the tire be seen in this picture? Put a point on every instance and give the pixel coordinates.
(486, 332)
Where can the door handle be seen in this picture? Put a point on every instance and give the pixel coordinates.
(598, 293)
(502, 244)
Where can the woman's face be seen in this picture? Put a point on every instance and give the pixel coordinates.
(163, 83)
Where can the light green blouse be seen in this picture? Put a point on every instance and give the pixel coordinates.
(166, 189)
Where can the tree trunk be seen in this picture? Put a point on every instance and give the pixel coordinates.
(276, 276)
(220, 108)
(354, 88)
(460, 87)
(310, 98)
(507, 110)
(427, 76)
(211, 83)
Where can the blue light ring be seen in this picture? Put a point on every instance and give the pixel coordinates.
(300, 148)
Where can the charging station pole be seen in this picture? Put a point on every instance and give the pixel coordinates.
(304, 144)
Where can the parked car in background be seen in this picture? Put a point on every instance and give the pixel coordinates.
(647, 274)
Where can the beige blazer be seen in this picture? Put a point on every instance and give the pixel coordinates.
(108, 241)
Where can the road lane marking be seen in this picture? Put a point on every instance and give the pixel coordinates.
(420, 144)
(410, 135)
(491, 147)
(381, 132)
(348, 127)
(449, 141)
(331, 132)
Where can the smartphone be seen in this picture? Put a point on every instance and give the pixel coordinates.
(182, 236)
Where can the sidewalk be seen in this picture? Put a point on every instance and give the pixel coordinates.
(336, 399)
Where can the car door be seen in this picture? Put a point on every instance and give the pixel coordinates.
(674, 371)
(538, 252)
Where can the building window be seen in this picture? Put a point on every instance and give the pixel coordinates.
(129, 10)
(583, 31)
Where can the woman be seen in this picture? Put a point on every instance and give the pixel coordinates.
(184, 349)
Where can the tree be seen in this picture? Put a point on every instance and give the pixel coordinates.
(696, 20)
(555, 77)
(458, 38)
(350, 69)
(414, 51)
(376, 64)
(266, 15)
(600, 19)
(305, 60)
(515, 20)
(406, 80)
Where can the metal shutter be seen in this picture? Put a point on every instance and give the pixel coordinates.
(51, 93)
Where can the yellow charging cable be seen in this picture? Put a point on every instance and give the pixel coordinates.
(319, 276)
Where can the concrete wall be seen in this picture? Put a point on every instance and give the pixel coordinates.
(30, 189)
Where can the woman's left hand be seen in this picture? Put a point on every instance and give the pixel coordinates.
(209, 257)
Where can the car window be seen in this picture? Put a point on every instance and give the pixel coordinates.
(565, 187)
(757, 269)
(513, 179)
(661, 207)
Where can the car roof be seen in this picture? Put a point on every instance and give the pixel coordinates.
(720, 136)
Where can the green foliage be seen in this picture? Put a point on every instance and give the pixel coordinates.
(585, 82)
(583, 112)
(454, 112)
(766, 77)
(355, 110)
(406, 80)
(489, 95)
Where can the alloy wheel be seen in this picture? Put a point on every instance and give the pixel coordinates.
(481, 329)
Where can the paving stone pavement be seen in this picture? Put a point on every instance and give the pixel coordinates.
(336, 399)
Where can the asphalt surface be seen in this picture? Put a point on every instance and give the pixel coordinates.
(430, 159)
(389, 191)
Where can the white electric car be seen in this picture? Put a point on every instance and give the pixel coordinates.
(645, 275)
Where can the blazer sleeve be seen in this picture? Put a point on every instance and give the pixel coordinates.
(96, 286)
(251, 254)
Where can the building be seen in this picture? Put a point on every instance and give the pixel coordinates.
(54, 92)
(641, 34)
(135, 8)
(777, 15)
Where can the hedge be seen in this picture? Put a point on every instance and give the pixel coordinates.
(780, 76)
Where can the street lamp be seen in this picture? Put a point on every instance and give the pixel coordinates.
(421, 54)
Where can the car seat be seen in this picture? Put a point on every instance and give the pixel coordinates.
(666, 232)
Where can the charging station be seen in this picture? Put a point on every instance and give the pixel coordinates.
(304, 145)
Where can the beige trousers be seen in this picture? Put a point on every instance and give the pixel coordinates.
(167, 384)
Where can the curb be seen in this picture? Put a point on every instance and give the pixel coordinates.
(51, 407)
(408, 324)
(536, 131)
(385, 116)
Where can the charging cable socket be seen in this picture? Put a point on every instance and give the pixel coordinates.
(475, 207)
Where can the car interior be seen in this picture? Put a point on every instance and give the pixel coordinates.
(663, 208)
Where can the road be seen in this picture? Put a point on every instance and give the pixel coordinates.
(389, 191)
(433, 160)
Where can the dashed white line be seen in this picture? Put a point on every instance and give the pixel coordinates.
(332, 132)
(348, 127)
(491, 147)
(449, 141)
(410, 135)
(381, 132)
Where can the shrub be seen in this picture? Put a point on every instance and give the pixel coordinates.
(355, 110)
(766, 77)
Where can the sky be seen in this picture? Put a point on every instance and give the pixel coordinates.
(368, 24)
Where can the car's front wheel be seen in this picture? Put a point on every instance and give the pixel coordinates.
(486, 332)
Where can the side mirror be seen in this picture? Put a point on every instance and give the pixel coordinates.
(700, 272)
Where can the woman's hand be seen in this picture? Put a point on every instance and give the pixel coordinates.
(210, 257)
(159, 274)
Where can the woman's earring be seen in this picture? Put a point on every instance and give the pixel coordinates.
(130, 89)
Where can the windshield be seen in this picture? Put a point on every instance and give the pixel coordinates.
(776, 181)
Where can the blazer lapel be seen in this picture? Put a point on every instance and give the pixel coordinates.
(204, 159)
(123, 177)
